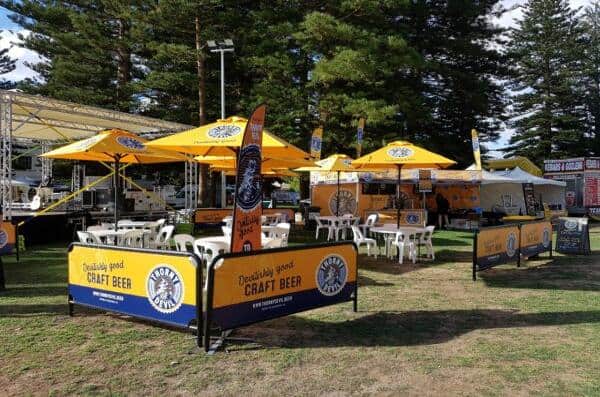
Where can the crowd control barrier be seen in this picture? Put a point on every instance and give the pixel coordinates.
(248, 288)
(496, 245)
(8, 246)
(161, 286)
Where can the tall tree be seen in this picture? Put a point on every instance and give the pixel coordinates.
(547, 113)
(7, 65)
(591, 72)
(86, 45)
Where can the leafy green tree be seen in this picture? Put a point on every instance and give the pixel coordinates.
(547, 112)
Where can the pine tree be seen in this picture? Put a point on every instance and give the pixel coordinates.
(87, 49)
(7, 65)
(547, 113)
(591, 73)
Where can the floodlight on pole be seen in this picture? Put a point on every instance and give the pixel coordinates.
(221, 46)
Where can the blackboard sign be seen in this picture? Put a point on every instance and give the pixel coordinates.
(573, 236)
(529, 199)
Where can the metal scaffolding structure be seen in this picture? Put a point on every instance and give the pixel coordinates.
(191, 185)
(44, 121)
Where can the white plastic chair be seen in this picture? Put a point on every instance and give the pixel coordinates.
(323, 224)
(182, 241)
(273, 243)
(133, 239)
(163, 238)
(366, 227)
(360, 239)
(226, 231)
(401, 242)
(87, 238)
(228, 220)
(282, 231)
(426, 240)
(96, 228)
(122, 222)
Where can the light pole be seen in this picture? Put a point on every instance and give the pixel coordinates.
(221, 46)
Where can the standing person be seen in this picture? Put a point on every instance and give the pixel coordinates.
(443, 206)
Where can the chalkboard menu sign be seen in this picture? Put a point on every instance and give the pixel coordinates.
(573, 236)
(529, 199)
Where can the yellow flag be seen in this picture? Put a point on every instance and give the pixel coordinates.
(476, 151)
(359, 136)
(315, 143)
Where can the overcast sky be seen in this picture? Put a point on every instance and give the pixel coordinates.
(10, 30)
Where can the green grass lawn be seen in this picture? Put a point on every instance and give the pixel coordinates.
(424, 329)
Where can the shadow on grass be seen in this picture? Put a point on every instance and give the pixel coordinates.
(33, 310)
(33, 291)
(558, 274)
(403, 329)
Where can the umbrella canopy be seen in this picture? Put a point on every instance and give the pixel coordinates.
(111, 145)
(115, 146)
(333, 163)
(265, 172)
(268, 162)
(223, 138)
(403, 154)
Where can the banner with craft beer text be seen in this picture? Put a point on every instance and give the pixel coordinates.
(154, 285)
(249, 288)
(8, 238)
(496, 245)
(536, 237)
(246, 229)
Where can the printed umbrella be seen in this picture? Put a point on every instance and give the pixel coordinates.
(115, 146)
(335, 163)
(401, 154)
(267, 162)
(224, 138)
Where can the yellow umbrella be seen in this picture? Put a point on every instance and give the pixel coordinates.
(334, 163)
(114, 146)
(401, 154)
(230, 162)
(224, 138)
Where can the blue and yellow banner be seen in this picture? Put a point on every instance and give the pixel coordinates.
(536, 237)
(8, 238)
(360, 131)
(497, 245)
(316, 142)
(246, 289)
(153, 285)
(247, 210)
(476, 148)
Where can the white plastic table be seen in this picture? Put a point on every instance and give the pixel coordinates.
(132, 224)
(103, 235)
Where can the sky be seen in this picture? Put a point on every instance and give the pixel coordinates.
(9, 31)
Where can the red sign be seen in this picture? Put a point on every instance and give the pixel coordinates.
(246, 229)
(591, 197)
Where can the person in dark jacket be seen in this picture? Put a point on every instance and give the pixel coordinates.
(443, 207)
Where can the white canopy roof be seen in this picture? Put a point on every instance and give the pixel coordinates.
(488, 178)
(525, 177)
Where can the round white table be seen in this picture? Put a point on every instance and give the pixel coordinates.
(103, 235)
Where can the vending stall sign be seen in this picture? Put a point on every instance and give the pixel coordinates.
(8, 238)
(573, 236)
(248, 288)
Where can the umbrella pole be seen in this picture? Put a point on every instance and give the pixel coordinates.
(337, 206)
(398, 196)
(116, 188)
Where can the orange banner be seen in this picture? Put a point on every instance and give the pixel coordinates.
(246, 231)
(8, 238)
